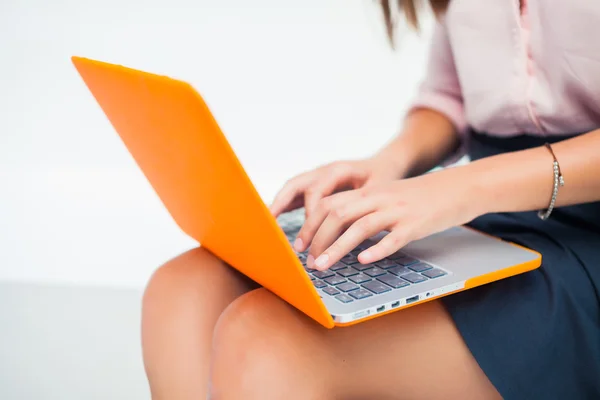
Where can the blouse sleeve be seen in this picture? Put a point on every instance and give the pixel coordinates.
(440, 89)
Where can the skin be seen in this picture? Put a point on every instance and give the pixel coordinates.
(208, 330)
(413, 208)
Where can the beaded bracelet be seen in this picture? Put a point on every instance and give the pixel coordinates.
(558, 182)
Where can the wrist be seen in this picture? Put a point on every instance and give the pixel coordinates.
(395, 160)
(427, 137)
(512, 182)
(472, 190)
(480, 189)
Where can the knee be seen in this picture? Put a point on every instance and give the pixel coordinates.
(247, 333)
(194, 277)
(251, 347)
(177, 277)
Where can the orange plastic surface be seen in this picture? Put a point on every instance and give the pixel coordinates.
(178, 145)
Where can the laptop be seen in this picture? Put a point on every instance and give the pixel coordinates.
(178, 145)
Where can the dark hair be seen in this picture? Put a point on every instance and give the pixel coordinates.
(410, 10)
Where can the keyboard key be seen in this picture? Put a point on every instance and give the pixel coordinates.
(360, 278)
(335, 280)
(360, 294)
(376, 287)
(312, 278)
(392, 281)
(376, 271)
(302, 257)
(397, 255)
(331, 291)
(399, 270)
(349, 259)
(347, 287)
(319, 284)
(364, 245)
(344, 298)
(407, 261)
(420, 267)
(414, 277)
(338, 265)
(346, 272)
(323, 274)
(363, 267)
(386, 264)
(434, 273)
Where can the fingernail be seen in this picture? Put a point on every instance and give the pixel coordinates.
(310, 260)
(298, 244)
(321, 260)
(365, 255)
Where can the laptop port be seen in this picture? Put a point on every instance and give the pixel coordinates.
(361, 314)
(380, 309)
(395, 304)
(412, 299)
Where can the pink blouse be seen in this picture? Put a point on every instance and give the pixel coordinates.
(508, 67)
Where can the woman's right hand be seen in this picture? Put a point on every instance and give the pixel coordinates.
(307, 189)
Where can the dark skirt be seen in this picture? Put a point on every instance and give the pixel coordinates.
(537, 335)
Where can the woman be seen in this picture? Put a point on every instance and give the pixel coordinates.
(504, 78)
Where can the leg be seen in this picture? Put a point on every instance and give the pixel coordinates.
(180, 308)
(264, 349)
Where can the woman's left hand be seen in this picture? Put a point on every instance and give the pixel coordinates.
(409, 209)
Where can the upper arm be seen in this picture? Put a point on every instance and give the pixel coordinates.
(440, 89)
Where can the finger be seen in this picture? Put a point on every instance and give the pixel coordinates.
(342, 215)
(296, 203)
(335, 178)
(362, 229)
(391, 243)
(316, 218)
(287, 196)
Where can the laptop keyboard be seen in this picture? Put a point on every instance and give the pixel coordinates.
(349, 281)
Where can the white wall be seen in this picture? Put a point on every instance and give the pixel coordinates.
(293, 83)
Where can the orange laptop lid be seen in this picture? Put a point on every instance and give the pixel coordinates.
(175, 140)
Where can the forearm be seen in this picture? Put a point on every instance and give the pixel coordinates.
(426, 139)
(523, 180)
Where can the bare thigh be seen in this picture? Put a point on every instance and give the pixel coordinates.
(265, 349)
(181, 306)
